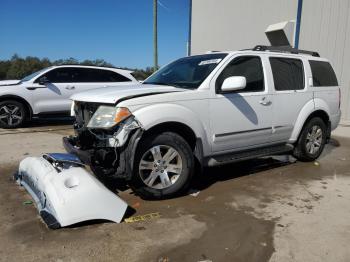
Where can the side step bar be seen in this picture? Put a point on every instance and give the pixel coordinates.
(249, 154)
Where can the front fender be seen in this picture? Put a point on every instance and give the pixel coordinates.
(153, 115)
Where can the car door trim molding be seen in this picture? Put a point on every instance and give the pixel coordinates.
(241, 132)
(247, 131)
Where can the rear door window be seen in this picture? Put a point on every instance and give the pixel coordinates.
(288, 73)
(323, 74)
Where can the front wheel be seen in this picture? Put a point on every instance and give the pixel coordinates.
(311, 141)
(12, 114)
(163, 167)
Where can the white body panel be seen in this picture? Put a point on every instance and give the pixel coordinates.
(111, 95)
(70, 196)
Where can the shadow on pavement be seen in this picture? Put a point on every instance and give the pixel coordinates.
(231, 171)
(49, 121)
(41, 125)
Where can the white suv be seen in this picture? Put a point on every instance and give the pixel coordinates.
(47, 91)
(212, 109)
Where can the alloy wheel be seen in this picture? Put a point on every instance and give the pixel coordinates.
(160, 167)
(11, 114)
(314, 140)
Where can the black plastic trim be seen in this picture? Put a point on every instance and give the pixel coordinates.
(249, 154)
(284, 49)
(84, 156)
(242, 132)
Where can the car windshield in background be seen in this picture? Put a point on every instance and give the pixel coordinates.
(27, 78)
(188, 72)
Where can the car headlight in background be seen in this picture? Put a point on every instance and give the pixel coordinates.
(108, 116)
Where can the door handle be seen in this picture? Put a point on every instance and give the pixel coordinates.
(265, 102)
(70, 87)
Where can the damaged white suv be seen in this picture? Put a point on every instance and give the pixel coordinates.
(212, 109)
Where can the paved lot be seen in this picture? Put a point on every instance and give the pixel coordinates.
(270, 209)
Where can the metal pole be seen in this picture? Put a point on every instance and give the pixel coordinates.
(189, 29)
(155, 34)
(297, 27)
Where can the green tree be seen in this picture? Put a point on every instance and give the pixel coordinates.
(18, 67)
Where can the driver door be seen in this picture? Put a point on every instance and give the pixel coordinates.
(53, 95)
(241, 119)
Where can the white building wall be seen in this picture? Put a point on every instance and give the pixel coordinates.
(325, 27)
(235, 24)
(239, 24)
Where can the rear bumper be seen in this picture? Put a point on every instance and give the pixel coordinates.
(69, 145)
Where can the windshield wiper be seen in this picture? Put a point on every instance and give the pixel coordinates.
(169, 84)
(155, 83)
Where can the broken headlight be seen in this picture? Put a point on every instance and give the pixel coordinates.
(108, 116)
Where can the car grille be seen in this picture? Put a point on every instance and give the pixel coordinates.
(84, 112)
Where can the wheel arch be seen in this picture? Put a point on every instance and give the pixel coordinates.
(20, 100)
(304, 118)
(186, 132)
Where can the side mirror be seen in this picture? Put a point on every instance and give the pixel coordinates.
(43, 80)
(234, 83)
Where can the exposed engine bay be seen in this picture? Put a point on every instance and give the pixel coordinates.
(107, 151)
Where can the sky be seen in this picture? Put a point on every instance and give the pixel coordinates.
(120, 32)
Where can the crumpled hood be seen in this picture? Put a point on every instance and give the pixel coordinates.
(9, 82)
(112, 95)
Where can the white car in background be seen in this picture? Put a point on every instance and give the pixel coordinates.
(47, 91)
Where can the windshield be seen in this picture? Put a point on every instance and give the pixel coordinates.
(188, 72)
(29, 77)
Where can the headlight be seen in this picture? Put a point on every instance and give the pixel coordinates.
(108, 116)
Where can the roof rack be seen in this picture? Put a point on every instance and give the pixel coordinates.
(284, 49)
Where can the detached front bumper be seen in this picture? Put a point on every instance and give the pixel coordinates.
(65, 193)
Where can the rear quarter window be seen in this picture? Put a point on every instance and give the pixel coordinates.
(323, 73)
(288, 73)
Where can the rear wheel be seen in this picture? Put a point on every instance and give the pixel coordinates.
(12, 114)
(311, 141)
(163, 166)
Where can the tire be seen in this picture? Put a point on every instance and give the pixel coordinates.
(166, 169)
(12, 114)
(311, 141)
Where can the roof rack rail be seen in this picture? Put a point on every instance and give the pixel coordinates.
(284, 49)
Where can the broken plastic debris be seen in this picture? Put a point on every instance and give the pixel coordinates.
(27, 202)
(164, 259)
(142, 217)
(194, 192)
(136, 205)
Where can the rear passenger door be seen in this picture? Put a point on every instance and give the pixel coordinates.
(241, 119)
(289, 96)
